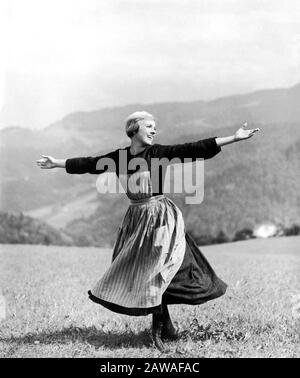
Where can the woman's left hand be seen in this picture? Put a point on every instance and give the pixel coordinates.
(242, 133)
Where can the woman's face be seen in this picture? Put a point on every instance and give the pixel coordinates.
(147, 131)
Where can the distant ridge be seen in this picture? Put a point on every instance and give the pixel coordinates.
(248, 182)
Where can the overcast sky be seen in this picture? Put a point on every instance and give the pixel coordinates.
(70, 55)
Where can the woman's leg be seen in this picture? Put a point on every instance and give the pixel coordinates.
(157, 326)
(168, 330)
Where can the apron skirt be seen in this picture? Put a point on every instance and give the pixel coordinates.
(155, 261)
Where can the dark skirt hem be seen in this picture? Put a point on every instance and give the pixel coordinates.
(167, 299)
(133, 311)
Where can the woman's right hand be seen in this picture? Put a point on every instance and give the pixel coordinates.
(47, 162)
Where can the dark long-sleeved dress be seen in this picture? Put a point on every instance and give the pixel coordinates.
(154, 258)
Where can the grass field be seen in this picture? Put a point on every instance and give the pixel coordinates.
(48, 313)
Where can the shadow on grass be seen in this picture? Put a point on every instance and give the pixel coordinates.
(214, 332)
(89, 335)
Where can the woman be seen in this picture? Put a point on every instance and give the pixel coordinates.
(155, 261)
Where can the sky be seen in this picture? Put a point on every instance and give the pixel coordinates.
(63, 56)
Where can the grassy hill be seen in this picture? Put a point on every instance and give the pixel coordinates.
(48, 313)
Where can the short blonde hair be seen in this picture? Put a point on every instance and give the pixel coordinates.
(132, 126)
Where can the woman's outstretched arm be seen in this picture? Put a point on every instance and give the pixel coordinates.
(80, 165)
(241, 134)
(48, 162)
(205, 148)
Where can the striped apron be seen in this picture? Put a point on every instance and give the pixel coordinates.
(148, 251)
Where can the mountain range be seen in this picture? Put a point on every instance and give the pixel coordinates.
(249, 182)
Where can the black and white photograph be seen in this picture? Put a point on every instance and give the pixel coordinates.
(150, 175)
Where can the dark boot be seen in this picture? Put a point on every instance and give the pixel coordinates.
(157, 326)
(169, 332)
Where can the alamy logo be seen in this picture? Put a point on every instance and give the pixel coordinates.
(173, 176)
